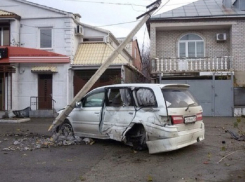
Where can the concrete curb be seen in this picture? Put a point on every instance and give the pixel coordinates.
(22, 120)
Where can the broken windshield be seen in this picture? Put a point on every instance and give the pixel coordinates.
(178, 98)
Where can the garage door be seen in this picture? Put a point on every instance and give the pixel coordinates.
(215, 96)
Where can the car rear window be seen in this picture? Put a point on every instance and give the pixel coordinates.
(178, 98)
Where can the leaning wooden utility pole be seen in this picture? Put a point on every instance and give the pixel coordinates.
(61, 117)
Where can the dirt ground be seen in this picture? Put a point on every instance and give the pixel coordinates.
(218, 158)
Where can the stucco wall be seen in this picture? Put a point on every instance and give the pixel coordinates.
(25, 85)
(25, 33)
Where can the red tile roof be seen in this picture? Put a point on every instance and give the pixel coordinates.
(28, 55)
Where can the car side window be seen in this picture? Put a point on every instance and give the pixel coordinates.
(94, 100)
(145, 97)
(118, 97)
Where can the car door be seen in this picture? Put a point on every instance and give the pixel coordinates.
(86, 118)
(118, 112)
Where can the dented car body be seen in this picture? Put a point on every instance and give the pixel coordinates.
(160, 117)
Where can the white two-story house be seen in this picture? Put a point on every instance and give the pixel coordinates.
(43, 52)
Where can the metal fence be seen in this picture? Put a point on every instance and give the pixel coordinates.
(36, 101)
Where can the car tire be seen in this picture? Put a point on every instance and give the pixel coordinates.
(66, 130)
(137, 136)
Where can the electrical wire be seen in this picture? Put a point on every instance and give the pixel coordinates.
(98, 2)
(118, 23)
(102, 25)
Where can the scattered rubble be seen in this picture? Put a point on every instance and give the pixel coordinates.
(31, 141)
(89, 141)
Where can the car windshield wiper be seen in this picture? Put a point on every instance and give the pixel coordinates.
(190, 105)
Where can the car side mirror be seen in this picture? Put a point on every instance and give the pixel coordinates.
(78, 104)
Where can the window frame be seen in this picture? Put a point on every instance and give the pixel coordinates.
(2, 35)
(107, 102)
(186, 42)
(184, 92)
(91, 94)
(52, 34)
(145, 106)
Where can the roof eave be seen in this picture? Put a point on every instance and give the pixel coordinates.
(45, 7)
(196, 17)
(91, 67)
(10, 17)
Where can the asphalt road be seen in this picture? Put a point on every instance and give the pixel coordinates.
(217, 158)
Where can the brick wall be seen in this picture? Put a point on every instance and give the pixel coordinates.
(238, 45)
(136, 55)
(167, 42)
(164, 43)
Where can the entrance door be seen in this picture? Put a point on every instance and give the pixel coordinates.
(45, 91)
(223, 97)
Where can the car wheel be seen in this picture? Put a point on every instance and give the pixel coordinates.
(138, 138)
(66, 130)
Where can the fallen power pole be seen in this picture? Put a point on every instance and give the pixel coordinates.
(61, 117)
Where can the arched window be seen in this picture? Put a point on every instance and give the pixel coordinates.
(191, 45)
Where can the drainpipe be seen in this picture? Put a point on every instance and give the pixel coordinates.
(107, 37)
(11, 90)
(160, 78)
(7, 95)
(19, 35)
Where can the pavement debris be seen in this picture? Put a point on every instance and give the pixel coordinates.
(31, 141)
(89, 141)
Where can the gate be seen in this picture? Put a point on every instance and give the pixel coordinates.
(215, 96)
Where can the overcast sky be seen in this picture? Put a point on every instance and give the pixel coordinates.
(102, 13)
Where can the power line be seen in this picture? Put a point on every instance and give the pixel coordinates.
(90, 25)
(118, 23)
(103, 25)
(135, 9)
(98, 2)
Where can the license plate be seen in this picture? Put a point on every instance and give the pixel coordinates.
(191, 119)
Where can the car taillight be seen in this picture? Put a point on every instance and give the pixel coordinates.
(199, 116)
(177, 119)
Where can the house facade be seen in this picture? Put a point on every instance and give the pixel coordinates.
(93, 52)
(44, 37)
(202, 44)
(133, 49)
(45, 29)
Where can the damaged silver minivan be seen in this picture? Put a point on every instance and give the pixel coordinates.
(160, 117)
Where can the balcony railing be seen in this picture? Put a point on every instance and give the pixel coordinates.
(178, 65)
